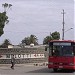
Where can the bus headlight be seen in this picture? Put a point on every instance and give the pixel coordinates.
(71, 64)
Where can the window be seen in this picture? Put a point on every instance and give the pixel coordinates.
(61, 51)
(67, 51)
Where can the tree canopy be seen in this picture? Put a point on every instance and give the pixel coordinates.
(3, 17)
(31, 39)
(3, 21)
(5, 43)
(54, 36)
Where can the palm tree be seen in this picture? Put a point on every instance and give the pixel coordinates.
(6, 5)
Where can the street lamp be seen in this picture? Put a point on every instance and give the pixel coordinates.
(66, 31)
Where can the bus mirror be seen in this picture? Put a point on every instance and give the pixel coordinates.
(45, 48)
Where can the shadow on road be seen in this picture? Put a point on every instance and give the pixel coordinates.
(43, 70)
(64, 71)
(46, 70)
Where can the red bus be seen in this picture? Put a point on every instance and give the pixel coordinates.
(61, 54)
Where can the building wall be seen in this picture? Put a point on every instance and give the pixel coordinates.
(23, 55)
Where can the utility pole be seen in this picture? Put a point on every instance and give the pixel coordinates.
(50, 36)
(63, 25)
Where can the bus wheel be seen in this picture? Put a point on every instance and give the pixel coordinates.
(55, 69)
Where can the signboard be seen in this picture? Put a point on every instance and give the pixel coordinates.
(61, 44)
(22, 56)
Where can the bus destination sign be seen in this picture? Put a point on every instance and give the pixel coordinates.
(61, 44)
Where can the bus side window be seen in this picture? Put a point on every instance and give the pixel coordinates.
(45, 48)
(74, 50)
(56, 53)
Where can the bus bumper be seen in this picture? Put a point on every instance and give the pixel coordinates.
(61, 66)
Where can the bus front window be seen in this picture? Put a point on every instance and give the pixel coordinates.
(56, 50)
(62, 51)
(68, 51)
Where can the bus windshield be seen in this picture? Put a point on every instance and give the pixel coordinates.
(62, 51)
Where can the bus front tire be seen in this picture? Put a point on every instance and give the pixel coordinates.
(55, 69)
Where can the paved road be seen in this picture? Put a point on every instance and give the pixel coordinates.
(32, 70)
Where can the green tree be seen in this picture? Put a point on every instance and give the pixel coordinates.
(33, 39)
(26, 41)
(3, 21)
(4, 18)
(46, 39)
(29, 40)
(54, 36)
(5, 43)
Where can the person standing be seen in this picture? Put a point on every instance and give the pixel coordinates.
(12, 61)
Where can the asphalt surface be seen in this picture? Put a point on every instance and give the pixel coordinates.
(32, 70)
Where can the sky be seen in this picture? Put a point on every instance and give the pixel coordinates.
(37, 17)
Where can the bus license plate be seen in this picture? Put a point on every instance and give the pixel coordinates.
(60, 66)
